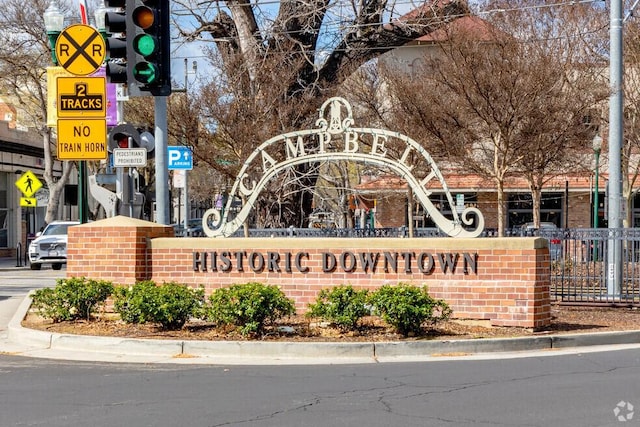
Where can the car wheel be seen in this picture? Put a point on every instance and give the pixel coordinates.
(36, 266)
(56, 266)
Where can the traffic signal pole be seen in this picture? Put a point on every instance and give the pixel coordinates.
(142, 59)
(162, 162)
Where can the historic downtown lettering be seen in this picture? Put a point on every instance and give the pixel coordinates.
(349, 262)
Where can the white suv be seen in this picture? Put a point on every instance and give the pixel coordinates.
(50, 245)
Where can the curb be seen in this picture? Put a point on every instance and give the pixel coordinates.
(300, 350)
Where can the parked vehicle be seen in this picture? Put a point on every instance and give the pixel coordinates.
(549, 231)
(194, 228)
(50, 245)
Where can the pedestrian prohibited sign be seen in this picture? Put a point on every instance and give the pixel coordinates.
(28, 184)
(81, 97)
(80, 49)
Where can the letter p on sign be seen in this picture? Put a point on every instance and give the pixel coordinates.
(179, 157)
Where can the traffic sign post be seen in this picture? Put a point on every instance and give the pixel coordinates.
(179, 157)
(28, 202)
(83, 139)
(130, 157)
(81, 97)
(28, 184)
(80, 49)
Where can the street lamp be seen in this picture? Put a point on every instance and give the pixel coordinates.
(597, 148)
(54, 24)
(100, 17)
(187, 72)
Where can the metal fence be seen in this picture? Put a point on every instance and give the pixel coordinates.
(580, 272)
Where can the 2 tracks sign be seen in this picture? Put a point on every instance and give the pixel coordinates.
(81, 101)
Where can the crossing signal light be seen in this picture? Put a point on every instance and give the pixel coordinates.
(115, 23)
(148, 47)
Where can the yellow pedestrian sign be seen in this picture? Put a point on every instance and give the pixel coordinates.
(80, 49)
(28, 202)
(28, 184)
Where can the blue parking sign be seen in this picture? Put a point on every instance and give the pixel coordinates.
(179, 157)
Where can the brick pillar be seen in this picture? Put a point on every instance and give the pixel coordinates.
(114, 249)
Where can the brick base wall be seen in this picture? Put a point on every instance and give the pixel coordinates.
(114, 249)
(505, 281)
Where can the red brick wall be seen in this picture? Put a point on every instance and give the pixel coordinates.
(509, 287)
(114, 249)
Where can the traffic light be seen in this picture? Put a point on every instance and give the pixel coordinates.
(148, 47)
(140, 138)
(115, 23)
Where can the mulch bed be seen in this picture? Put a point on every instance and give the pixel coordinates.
(297, 328)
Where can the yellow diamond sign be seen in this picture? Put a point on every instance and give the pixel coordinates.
(80, 49)
(28, 183)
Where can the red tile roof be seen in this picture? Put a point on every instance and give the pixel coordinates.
(469, 182)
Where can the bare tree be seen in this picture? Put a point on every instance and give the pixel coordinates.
(498, 108)
(273, 73)
(568, 87)
(24, 56)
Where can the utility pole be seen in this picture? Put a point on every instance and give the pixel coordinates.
(614, 252)
(162, 171)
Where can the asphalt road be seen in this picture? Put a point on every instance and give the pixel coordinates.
(575, 390)
(20, 282)
(583, 389)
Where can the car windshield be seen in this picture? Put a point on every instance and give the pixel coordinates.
(56, 230)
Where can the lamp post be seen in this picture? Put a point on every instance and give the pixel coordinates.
(597, 148)
(185, 192)
(53, 24)
(187, 72)
(100, 17)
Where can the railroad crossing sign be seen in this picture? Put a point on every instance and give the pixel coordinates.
(28, 184)
(80, 49)
(82, 139)
(81, 97)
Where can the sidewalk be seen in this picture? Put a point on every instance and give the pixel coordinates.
(12, 263)
(16, 340)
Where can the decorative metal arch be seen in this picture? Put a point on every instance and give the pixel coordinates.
(337, 139)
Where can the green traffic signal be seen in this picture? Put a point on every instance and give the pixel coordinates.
(145, 45)
(148, 47)
(145, 72)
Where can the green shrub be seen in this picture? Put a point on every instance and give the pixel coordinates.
(407, 307)
(342, 305)
(72, 298)
(170, 304)
(248, 307)
(135, 303)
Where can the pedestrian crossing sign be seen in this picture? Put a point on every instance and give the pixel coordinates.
(28, 183)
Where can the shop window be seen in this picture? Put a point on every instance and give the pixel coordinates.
(422, 219)
(520, 209)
